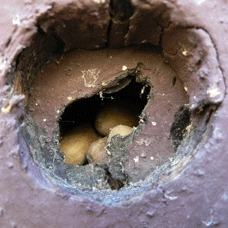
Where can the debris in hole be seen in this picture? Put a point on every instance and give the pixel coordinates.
(75, 144)
(179, 126)
(116, 113)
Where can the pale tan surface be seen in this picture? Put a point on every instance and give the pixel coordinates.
(121, 130)
(76, 144)
(115, 114)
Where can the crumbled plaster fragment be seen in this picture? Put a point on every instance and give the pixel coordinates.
(124, 68)
(213, 91)
(185, 52)
(136, 159)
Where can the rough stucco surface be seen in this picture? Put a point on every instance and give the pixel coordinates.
(196, 198)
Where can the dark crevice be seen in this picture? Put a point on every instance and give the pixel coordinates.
(174, 81)
(113, 183)
(182, 119)
(107, 44)
(8, 42)
(161, 35)
(121, 10)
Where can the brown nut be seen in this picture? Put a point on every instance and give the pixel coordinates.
(75, 144)
(114, 114)
(96, 153)
(121, 130)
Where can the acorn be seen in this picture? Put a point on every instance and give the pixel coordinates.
(96, 153)
(75, 144)
(121, 130)
(113, 114)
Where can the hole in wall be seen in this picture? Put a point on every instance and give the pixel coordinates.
(87, 125)
(64, 90)
(133, 95)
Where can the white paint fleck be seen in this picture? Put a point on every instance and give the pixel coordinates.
(199, 2)
(152, 158)
(90, 77)
(143, 155)
(58, 111)
(153, 123)
(3, 64)
(97, 46)
(146, 141)
(224, 197)
(143, 90)
(217, 133)
(10, 165)
(70, 98)
(185, 52)
(186, 88)
(170, 197)
(124, 68)
(136, 159)
(144, 41)
(100, 1)
(108, 152)
(16, 20)
(214, 92)
(44, 120)
(210, 223)
(36, 104)
(101, 95)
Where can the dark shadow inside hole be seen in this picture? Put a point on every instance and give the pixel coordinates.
(182, 120)
(121, 10)
(84, 110)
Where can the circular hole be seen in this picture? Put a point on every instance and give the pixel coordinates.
(112, 111)
(154, 86)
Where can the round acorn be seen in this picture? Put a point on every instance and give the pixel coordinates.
(113, 114)
(96, 153)
(121, 130)
(75, 144)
